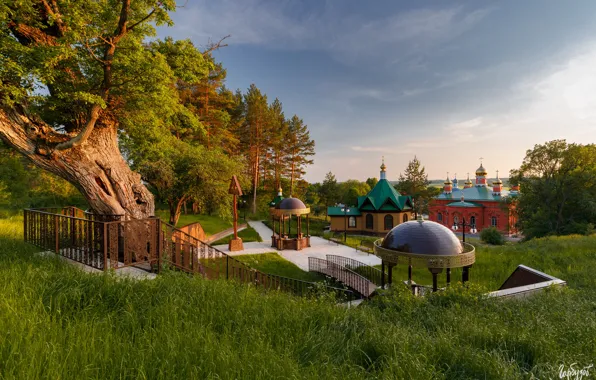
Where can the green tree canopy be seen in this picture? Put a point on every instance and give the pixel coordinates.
(558, 192)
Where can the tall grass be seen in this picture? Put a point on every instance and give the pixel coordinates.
(57, 322)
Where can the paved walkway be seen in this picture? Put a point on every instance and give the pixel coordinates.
(223, 234)
(319, 248)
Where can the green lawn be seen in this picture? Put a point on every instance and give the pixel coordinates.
(58, 322)
(273, 263)
(317, 225)
(211, 224)
(248, 234)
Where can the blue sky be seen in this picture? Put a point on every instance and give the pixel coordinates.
(448, 81)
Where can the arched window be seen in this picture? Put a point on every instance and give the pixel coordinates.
(473, 221)
(404, 218)
(455, 219)
(369, 221)
(388, 222)
(351, 222)
(440, 218)
(493, 221)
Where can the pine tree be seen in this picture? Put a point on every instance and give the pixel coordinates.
(414, 182)
(299, 147)
(254, 132)
(329, 191)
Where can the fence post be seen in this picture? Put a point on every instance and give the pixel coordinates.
(105, 246)
(25, 216)
(57, 234)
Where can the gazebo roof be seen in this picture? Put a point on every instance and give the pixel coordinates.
(291, 206)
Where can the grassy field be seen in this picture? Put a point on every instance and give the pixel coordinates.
(211, 224)
(57, 322)
(275, 264)
(248, 234)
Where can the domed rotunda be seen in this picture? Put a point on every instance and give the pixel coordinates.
(421, 243)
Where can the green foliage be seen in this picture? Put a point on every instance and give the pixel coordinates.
(188, 327)
(414, 182)
(329, 192)
(492, 236)
(558, 195)
(350, 190)
(372, 182)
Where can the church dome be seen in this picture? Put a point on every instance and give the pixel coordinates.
(481, 171)
(422, 237)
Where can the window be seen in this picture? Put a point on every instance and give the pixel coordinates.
(493, 221)
(455, 219)
(440, 218)
(351, 222)
(369, 221)
(388, 222)
(405, 218)
(473, 221)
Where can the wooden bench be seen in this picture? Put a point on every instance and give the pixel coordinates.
(337, 237)
(366, 246)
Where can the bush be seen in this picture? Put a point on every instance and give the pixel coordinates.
(492, 236)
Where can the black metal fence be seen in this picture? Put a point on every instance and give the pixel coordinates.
(355, 281)
(371, 273)
(150, 244)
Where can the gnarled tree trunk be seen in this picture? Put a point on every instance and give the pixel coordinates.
(95, 167)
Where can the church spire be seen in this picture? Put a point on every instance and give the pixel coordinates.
(383, 167)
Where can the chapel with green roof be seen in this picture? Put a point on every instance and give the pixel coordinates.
(376, 213)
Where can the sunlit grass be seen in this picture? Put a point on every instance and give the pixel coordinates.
(273, 263)
(58, 322)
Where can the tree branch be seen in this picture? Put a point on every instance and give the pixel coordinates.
(144, 18)
(215, 46)
(85, 132)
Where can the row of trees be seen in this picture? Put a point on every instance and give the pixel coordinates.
(108, 86)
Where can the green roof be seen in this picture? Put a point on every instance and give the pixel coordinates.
(276, 200)
(383, 197)
(476, 193)
(336, 211)
(463, 204)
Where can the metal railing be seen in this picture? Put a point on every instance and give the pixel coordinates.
(355, 281)
(150, 244)
(373, 274)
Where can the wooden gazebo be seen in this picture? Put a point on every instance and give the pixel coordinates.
(282, 216)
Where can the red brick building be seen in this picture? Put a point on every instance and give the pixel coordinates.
(478, 203)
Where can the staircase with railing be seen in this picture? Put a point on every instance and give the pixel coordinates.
(343, 274)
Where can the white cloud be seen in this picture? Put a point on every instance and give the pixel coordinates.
(282, 24)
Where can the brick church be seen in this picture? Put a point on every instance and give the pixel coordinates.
(480, 204)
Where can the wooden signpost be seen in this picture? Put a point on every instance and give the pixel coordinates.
(235, 189)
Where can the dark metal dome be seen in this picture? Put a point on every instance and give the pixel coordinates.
(422, 237)
(291, 204)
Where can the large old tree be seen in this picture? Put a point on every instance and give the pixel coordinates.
(73, 76)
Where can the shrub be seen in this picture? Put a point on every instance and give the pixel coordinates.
(492, 236)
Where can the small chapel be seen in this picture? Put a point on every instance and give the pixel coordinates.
(376, 213)
(481, 205)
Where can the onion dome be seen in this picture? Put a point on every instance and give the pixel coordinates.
(481, 171)
(498, 181)
(468, 182)
(447, 182)
(423, 238)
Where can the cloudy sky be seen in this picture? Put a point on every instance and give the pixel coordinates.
(448, 81)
